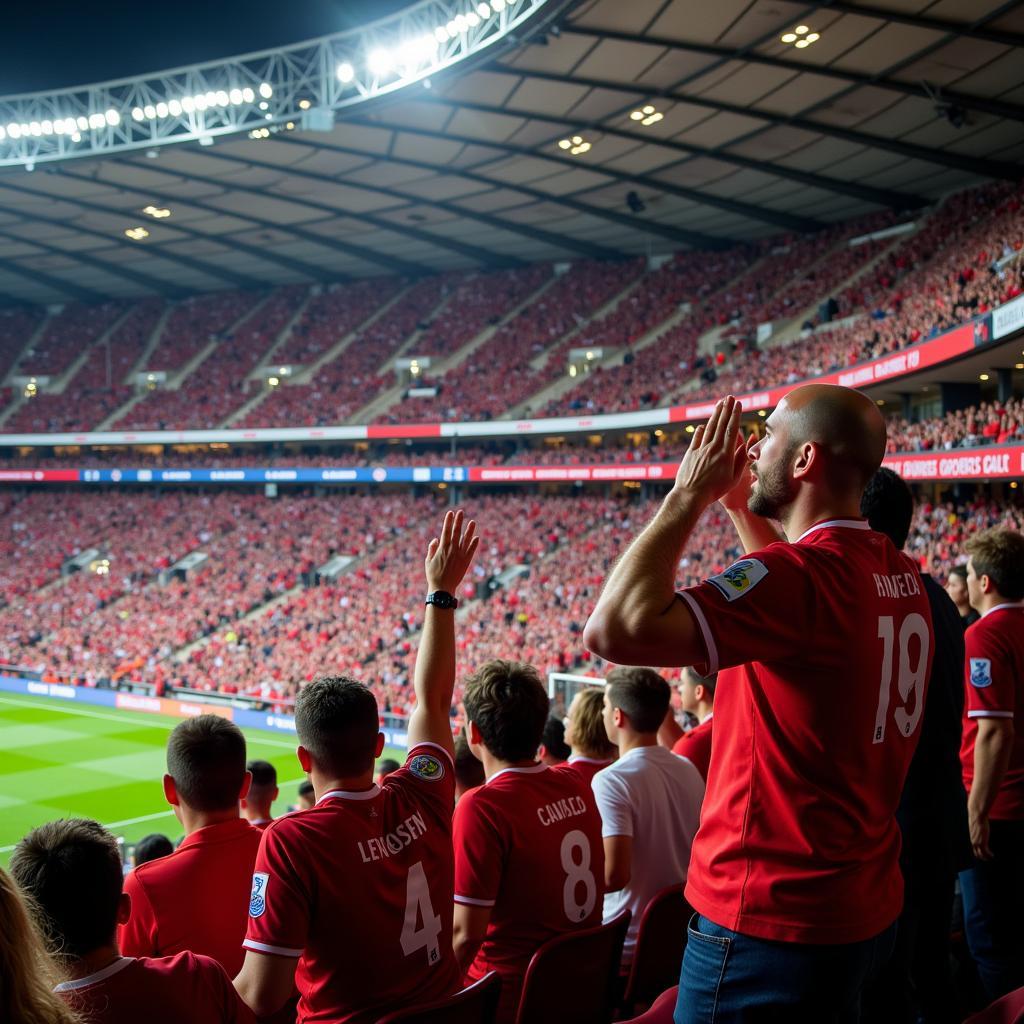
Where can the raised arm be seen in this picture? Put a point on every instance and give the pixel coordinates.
(448, 558)
(638, 620)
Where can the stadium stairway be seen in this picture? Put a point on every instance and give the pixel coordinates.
(30, 341)
(58, 387)
(369, 412)
(282, 336)
(566, 383)
(309, 372)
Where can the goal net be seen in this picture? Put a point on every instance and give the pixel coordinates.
(563, 686)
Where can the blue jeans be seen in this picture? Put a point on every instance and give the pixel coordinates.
(993, 892)
(729, 978)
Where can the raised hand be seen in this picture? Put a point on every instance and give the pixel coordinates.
(717, 456)
(450, 555)
(737, 498)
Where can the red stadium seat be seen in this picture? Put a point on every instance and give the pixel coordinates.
(660, 942)
(591, 959)
(474, 1005)
(1007, 1010)
(661, 1009)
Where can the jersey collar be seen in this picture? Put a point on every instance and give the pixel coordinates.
(579, 758)
(214, 833)
(350, 794)
(91, 979)
(529, 770)
(845, 524)
(1002, 607)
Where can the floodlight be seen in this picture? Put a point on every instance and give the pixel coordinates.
(379, 62)
(112, 117)
(138, 114)
(161, 109)
(248, 95)
(150, 111)
(441, 34)
(235, 96)
(345, 72)
(266, 91)
(483, 10)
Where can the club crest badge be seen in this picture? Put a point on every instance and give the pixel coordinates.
(740, 578)
(427, 767)
(981, 673)
(258, 899)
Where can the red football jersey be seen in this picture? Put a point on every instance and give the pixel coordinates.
(195, 898)
(695, 746)
(826, 647)
(582, 767)
(170, 990)
(359, 889)
(994, 688)
(528, 844)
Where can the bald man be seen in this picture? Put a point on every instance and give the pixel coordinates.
(822, 639)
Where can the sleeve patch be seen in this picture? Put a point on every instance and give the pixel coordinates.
(981, 673)
(258, 899)
(426, 767)
(740, 578)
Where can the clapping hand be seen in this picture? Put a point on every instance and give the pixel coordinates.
(717, 457)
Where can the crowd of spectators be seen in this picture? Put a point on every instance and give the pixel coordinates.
(254, 619)
(985, 423)
(17, 325)
(65, 335)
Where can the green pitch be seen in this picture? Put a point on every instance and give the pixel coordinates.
(59, 761)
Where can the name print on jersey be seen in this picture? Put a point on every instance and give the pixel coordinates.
(900, 584)
(569, 807)
(394, 842)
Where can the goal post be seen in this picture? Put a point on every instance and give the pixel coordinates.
(563, 686)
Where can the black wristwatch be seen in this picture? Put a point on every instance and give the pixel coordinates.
(442, 599)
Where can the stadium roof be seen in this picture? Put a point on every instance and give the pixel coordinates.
(888, 107)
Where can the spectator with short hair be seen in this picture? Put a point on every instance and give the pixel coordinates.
(306, 797)
(385, 767)
(256, 804)
(916, 983)
(151, 847)
(649, 799)
(529, 864)
(697, 694)
(553, 749)
(377, 859)
(72, 871)
(469, 772)
(992, 755)
(956, 587)
(27, 974)
(195, 898)
(590, 748)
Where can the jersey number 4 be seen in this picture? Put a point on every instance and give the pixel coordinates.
(909, 680)
(418, 908)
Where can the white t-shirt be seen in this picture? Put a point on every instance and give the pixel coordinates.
(654, 796)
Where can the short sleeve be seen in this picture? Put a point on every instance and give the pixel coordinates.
(138, 936)
(428, 777)
(280, 902)
(756, 610)
(614, 805)
(479, 853)
(989, 683)
(223, 994)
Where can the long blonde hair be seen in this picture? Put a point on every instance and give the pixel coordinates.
(27, 974)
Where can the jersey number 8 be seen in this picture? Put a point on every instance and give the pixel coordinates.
(909, 680)
(576, 865)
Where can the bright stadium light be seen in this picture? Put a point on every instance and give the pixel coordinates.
(425, 38)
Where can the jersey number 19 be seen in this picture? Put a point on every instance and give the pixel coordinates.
(909, 680)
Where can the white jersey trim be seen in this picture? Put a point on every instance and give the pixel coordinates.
(262, 947)
(579, 758)
(846, 524)
(92, 979)
(347, 794)
(436, 746)
(990, 714)
(705, 629)
(1019, 605)
(529, 770)
(474, 903)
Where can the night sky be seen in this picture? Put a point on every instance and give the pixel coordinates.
(52, 44)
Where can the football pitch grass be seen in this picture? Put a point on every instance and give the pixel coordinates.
(58, 761)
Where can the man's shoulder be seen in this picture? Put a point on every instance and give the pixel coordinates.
(185, 963)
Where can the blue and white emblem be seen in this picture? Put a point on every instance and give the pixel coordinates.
(426, 767)
(981, 673)
(258, 899)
